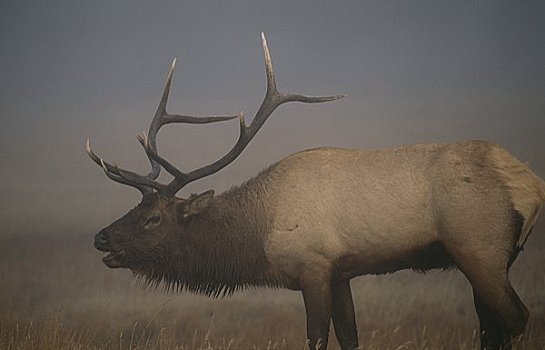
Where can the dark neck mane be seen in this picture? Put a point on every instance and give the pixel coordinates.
(221, 250)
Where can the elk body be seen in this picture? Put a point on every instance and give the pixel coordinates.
(320, 217)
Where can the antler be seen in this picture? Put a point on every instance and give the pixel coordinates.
(272, 100)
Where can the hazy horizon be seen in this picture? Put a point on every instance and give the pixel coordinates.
(414, 72)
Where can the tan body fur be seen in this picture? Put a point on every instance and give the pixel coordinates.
(377, 209)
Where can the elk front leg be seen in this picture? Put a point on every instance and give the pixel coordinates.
(344, 318)
(316, 289)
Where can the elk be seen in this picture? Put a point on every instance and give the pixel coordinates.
(320, 217)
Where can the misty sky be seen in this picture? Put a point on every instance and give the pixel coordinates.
(414, 71)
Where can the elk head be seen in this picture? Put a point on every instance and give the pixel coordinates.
(145, 233)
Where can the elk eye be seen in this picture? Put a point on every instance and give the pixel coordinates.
(154, 220)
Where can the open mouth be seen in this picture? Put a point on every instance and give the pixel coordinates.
(113, 259)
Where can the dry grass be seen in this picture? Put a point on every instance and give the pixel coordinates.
(56, 294)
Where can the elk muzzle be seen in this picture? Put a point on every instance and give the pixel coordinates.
(114, 257)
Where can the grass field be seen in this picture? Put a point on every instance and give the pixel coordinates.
(56, 294)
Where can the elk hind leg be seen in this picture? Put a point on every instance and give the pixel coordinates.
(511, 313)
(344, 318)
(497, 304)
(491, 333)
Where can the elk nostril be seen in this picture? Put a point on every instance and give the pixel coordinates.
(100, 239)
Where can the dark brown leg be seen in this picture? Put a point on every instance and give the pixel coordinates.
(317, 298)
(344, 319)
(492, 337)
(501, 313)
(481, 245)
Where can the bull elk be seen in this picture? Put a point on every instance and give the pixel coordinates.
(320, 217)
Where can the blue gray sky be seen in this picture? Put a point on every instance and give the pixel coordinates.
(414, 71)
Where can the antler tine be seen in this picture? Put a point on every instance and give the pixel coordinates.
(143, 189)
(269, 71)
(144, 141)
(115, 173)
(157, 122)
(273, 98)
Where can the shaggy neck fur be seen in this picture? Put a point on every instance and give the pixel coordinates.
(220, 250)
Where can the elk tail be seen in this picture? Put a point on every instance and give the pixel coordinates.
(527, 190)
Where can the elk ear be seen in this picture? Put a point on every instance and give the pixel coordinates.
(195, 204)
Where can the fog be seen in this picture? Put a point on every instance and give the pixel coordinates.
(413, 72)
